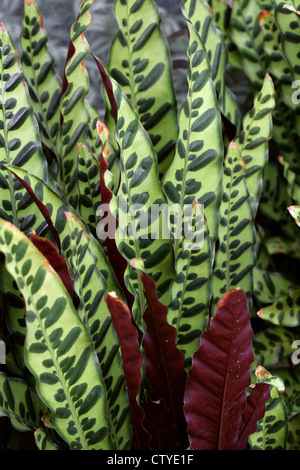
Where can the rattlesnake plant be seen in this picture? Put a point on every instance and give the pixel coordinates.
(136, 341)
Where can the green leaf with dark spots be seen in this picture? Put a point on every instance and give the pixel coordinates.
(75, 115)
(255, 150)
(43, 81)
(91, 287)
(247, 37)
(189, 309)
(285, 311)
(19, 135)
(202, 18)
(141, 64)
(20, 404)
(139, 190)
(235, 255)
(271, 431)
(274, 344)
(84, 367)
(199, 127)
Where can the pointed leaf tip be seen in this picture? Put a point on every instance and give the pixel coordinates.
(231, 297)
(263, 14)
(137, 263)
(70, 216)
(261, 373)
(233, 144)
(101, 127)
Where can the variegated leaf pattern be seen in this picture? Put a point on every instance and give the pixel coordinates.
(88, 186)
(92, 139)
(140, 62)
(247, 36)
(57, 208)
(20, 404)
(83, 264)
(253, 141)
(285, 311)
(111, 154)
(274, 344)
(272, 46)
(109, 180)
(265, 4)
(43, 442)
(271, 431)
(74, 112)
(288, 22)
(275, 200)
(222, 15)
(19, 136)
(138, 197)
(196, 171)
(91, 289)
(295, 213)
(269, 285)
(292, 179)
(276, 245)
(285, 135)
(59, 351)
(14, 314)
(191, 288)
(279, 67)
(201, 16)
(293, 439)
(235, 256)
(264, 376)
(276, 62)
(43, 82)
(291, 394)
(111, 175)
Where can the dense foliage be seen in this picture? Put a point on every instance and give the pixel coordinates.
(111, 337)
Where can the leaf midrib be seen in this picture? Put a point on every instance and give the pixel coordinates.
(60, 376)
(221, 422)
(130, 61)
(112, 428)
(42, 110)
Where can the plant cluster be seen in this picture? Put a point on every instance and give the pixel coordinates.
(135, 341)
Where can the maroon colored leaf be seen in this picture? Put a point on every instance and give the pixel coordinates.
(58, 263)
(65, 83)
(43, 209)
(163, 360)
(132, 362)
(255, 410)
(118, 263)
(108, 87)
(70, 53)
(159, 422)
(215, 396)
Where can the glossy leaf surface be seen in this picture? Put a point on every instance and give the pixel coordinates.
(215, 395)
